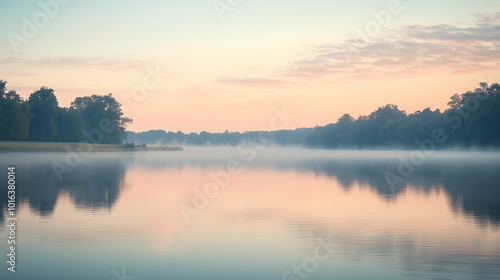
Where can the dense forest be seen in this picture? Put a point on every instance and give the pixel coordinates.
(96, 118)
(472, 119)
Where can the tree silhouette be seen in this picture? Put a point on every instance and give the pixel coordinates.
(102, 112)
(43, 105)
(15, 115)
(472, 119)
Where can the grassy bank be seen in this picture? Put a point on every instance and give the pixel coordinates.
(18, 146)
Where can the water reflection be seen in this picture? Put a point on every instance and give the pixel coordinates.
(94, 185)
(470, 180)
(441, 223)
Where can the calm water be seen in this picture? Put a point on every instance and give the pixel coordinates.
(283, 214)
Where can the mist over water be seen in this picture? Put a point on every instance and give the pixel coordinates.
(441, 221)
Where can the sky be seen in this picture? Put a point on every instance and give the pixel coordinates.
(216, 65)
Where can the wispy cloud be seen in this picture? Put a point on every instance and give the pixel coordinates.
(408, 50)
(77, 61)
(255, 82)
(489, 18)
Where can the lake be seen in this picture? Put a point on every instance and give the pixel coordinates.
(224, 213)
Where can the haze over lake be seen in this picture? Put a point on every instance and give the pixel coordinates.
(184, 215)
(250, 140)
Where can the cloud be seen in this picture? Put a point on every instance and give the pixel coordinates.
(408, 50)
(77, 61)
(488, 18)
(255, 82)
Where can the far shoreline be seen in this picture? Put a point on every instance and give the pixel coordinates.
(25, 146)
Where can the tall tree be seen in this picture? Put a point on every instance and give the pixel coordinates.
(15, 115)
(483, 125)
(43, 104)
(103, 113)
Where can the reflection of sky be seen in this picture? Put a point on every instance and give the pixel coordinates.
(266, 220)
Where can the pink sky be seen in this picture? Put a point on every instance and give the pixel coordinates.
(232, 72)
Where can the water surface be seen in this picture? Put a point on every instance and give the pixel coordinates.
(119, 214)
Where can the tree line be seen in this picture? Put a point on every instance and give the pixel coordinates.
(41, 119)
(160, 137)
(471, 119)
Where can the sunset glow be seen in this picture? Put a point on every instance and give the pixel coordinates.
(229, 69)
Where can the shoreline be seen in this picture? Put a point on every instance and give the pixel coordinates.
(23, 146)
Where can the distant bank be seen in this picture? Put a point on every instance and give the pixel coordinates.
(18, 146)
